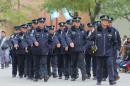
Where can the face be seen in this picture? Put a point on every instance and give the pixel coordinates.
(41, 24)
(24, 30)
(129, 40)
(51, 31)
(3, 34)
(76, 24)
(34, 25)
(29, 28)
(62, 28)
(104, 22)
(110, 24)
(17, 31)
(69, 26)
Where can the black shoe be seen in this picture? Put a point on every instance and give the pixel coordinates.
(103, 79)
(88, 76)
(55, 76)
(66, 78)
(6, 65)
(49, 74)
(35, 79)
(2, 66)
(112, 82)
(77, 76)
(94, 78)
(73, 79)
(21, 76)
(84, 77)
(46, 78)
(60, 77)
(13, 76)
(98, 83)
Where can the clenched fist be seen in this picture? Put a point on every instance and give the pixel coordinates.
(58, 45)
(72, 45)
(16, 46)
(36, 43)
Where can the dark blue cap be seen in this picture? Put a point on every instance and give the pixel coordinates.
(62, 24)
(90, 25)
(76, 19)
(110, 19)
(42, 19)
(104, 17)
(51, 27)
(35, 21)
(69, 22)
(97, 23)
(24, 25)
(17, 27)
(29, 24)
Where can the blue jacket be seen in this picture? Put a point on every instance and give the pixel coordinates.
(105, 40)
(62, 39)
(79, 38)
(52, 41)
(22, 42)
(42, 38)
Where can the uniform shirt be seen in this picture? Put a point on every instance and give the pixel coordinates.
(42, 38)
(105, 40)
(79, 38)
(21, 40)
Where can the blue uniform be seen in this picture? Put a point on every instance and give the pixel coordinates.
(13, 55)
(61, 51)
(21, 41)
(52, 57)
(80, 41)
(105, 40)
(40, 53)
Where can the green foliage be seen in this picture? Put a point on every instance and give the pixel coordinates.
(75, 5)
(116, 8)
(10, 12)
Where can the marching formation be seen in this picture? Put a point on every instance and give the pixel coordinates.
(39, 51)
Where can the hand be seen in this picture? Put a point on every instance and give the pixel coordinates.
(58, 45)
(72, 45)
(66, 48)
(16, 46)
(26, 50)
(36, 43)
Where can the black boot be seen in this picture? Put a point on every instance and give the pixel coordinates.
(84, 77)
(73, 79)
(88, 76)
(98, 83)
(66, 78)
(2, 66)
(94, 77)
(112, 82)
(54, 75)
(46, 78)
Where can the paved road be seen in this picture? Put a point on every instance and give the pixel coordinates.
(7, 80)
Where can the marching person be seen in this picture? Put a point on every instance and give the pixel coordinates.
(61, 51)
(21, 45)
(52, 57)
(13, 51)
(105, 40)
(116, 48)
(89, 57)
(79, 39)
(40, 40)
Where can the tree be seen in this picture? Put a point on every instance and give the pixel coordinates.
(93, 7)
(117, 9)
